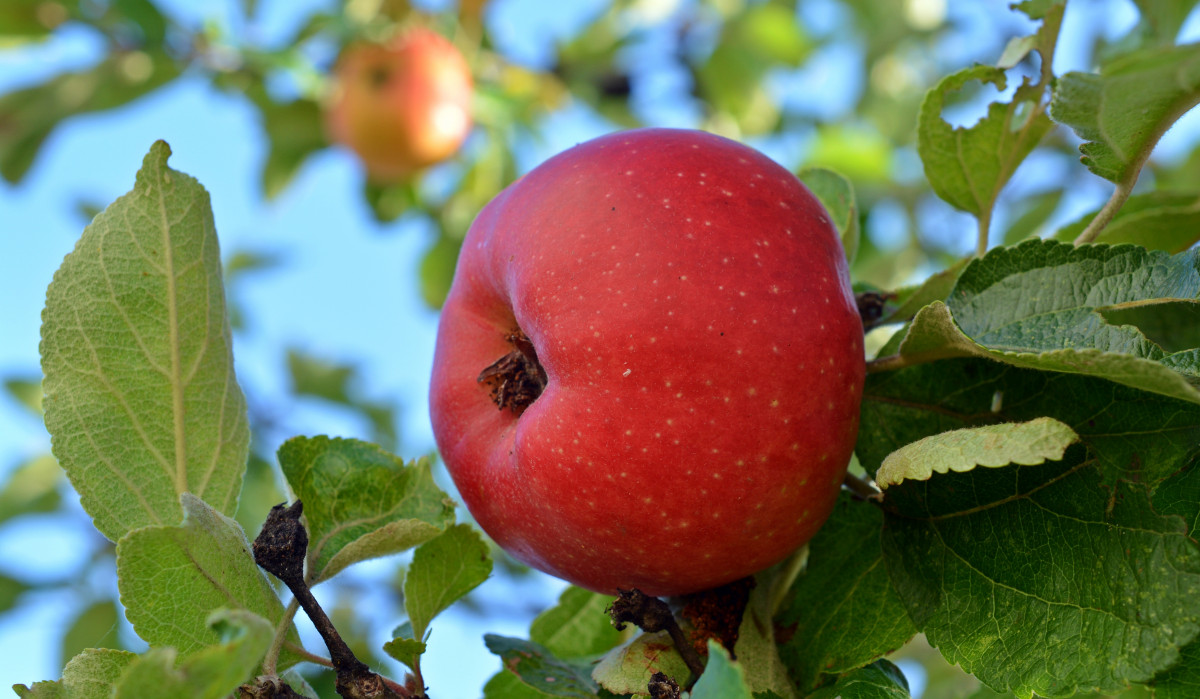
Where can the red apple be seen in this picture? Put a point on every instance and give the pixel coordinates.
(649, 367)
(403, 105)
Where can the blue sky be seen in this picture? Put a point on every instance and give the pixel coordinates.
(347, 290)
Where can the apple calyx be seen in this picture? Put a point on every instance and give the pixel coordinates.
(515, 380)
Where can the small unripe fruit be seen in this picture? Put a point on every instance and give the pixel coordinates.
(403, 105)
(649, 366)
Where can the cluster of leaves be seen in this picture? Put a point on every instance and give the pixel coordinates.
(1033, 425)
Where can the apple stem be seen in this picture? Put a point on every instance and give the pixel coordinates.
(651, 615)
(516, 379)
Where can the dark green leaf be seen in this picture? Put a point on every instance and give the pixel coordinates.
(1183, 680)
(1134, 434)
(1039, 579)
(1173, 325)
(842, 612)
(536, 667)
(1036, 305)
(360, 502)
(1180, 495)
(1123, 111)
(879, 680)
(1156, 220)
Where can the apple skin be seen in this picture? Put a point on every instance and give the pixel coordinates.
(403, 105)
(689, 302)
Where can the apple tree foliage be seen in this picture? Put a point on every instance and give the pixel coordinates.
(1026, 491)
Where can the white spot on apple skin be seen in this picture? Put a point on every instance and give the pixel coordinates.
(627, 372)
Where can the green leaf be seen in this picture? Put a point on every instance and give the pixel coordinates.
(47, 689)
(316, 377)
(1182, 681)
(405, 650)
(1038, 305)
(722, 678)
(211, 672)
(836, 194)
(360, 502)
(31, 488)
(1180, 495)
(751, 43)
(1040, 579)
(32, 114)
(141, 399)
(539, 669)
(627, 668)
(94, 672)
(909, 300)
(842, 612)
(1172, 325)
(1133, 433)
(756, 648)
(507, 685)
(1157, 220)
(95, 627)
(443, 570)
(10, 590)
(577, 627)
(26, 391)
(172, 578)
(1028, 443)
(294, 132)
(879, 680)
(436, 271)
(1031, 215)
(1124, 110)
(968, 166)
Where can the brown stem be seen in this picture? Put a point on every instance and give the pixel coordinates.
(651, 615)
(280, 549)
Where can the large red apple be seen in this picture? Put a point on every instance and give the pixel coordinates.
(402, 105)
(649, 366)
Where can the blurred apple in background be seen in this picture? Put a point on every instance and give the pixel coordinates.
(403, 105)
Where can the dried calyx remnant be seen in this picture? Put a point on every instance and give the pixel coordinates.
(515, 380)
